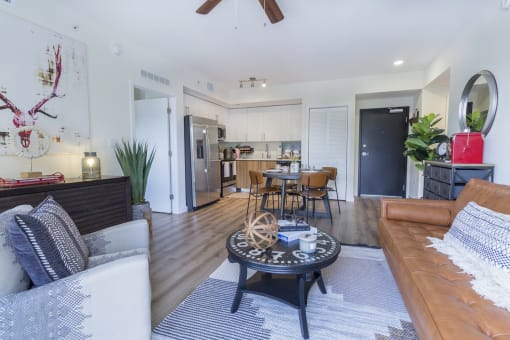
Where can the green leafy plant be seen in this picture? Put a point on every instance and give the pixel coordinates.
(135, 161)
(475, 121)
(421, 144)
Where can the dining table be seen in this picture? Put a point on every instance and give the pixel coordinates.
(284, 176)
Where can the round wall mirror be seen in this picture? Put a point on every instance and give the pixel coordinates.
(478, 103)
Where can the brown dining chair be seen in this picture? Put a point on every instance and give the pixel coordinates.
(313, 188)
(332, 177)
(258, 189)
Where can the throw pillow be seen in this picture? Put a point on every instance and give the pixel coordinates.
(49, 205)
(479, 243)
(13, 277)
(46, 244)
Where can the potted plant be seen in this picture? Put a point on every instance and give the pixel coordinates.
(135, 161)
(421, 144)
(476, 120)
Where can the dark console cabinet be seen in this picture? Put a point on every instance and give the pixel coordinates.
(92, 204)
(444, 181)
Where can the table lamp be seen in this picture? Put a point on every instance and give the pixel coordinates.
(90, 166)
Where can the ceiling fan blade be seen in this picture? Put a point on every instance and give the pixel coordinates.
(273, 12)
(207, 6)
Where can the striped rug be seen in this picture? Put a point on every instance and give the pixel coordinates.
(363, 302)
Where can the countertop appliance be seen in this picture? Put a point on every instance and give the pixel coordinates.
(222, 133)
(228, 154)
(228, 177)
(202, 162)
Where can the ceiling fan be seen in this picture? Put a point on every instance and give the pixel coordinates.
(271, 8)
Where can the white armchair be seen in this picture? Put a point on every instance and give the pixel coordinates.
(111, 299)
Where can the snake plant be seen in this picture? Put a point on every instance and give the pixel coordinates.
(135, 161)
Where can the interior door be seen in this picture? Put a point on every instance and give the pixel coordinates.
(152, 124)
(382, 164)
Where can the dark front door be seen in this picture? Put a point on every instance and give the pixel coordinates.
(382, 165)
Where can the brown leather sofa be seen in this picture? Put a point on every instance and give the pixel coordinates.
(439, 297)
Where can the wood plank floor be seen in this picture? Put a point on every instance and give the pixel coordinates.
(187, 248)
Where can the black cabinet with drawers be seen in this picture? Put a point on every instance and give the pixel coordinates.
(92, 204)
(444, 181)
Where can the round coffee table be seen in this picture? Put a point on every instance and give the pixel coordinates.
(283, 271)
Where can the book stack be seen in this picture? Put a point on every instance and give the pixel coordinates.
(293, 225)
(290, 236)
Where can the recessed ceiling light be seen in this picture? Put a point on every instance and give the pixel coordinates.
(398, 62)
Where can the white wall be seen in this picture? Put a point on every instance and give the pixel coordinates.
(111, 82)
(333, 93)
(484, 47)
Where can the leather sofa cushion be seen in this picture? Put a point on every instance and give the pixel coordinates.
(439, 296)
(414, 210)
(490, 195)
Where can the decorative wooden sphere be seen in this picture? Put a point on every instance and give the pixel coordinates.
(261, 230)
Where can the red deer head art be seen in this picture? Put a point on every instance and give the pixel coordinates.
(21, 118)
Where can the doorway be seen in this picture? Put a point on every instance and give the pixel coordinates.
(152, 124)
(382, 164)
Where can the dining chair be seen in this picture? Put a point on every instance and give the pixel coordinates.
(313, 188)
(332, 177)
(258, 189)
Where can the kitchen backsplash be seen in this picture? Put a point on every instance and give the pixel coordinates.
(264, 150)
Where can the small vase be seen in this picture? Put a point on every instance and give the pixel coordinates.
(294, 167)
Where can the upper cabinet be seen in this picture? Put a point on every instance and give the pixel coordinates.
(203, 108)
(265, 124)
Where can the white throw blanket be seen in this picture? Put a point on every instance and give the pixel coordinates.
(479, 243)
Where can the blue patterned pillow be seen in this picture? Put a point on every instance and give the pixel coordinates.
(48, 244)
(484, 233)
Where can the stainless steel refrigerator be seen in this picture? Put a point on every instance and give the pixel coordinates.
(203, 177)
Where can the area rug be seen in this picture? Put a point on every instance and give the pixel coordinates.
(363, 302)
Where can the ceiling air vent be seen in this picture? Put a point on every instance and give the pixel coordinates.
(154, 77)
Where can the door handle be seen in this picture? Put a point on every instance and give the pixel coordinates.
(364, 154)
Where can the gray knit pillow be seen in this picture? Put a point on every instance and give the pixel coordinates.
(13, 277)
(48, 244)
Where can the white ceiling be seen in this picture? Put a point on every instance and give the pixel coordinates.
(317, 40)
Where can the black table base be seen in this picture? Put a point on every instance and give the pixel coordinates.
(290, 289)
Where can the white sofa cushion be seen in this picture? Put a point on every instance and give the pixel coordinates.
(13, 277)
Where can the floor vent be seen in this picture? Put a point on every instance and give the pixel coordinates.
(154, 77)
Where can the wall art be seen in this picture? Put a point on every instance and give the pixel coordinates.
(43, 91)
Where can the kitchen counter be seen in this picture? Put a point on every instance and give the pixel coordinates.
(257, 159)
(265, 159)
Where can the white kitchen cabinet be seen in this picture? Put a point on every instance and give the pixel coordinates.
(237, 126)
(255, 126)
(292, 125)
(265, 124)
(274, 126)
